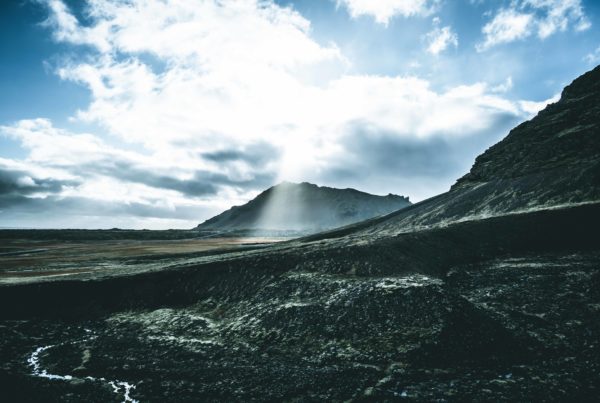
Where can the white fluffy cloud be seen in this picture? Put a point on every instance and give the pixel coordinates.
(440, 38)
(223, 98)
(234, 72)
(507, 26)
(558, 15)
(383, 10)
(528, 17)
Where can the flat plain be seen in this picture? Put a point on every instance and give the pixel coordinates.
(37, 255)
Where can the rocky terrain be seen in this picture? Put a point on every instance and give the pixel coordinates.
(489, 292)
(304, 208)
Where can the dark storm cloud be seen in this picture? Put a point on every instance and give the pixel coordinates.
(19, 182)
(128, 172)
(370, 151)
(256, 155)
(201, 183)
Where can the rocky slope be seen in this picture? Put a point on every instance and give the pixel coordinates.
(304, 207)
(489, 292)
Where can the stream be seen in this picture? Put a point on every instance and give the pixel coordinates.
(119, 387)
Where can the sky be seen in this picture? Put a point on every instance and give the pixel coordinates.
(162, 113)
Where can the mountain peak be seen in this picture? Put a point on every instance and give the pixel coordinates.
(304, 207)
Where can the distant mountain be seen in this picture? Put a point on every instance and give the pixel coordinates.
(304, 207)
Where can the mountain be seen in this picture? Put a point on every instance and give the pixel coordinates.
(488, 292)
(304, 207)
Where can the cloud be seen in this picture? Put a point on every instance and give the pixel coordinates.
(75, 206)
(504, 87)
(527, 17)
(54, 211)
(68, 167)
(507, 26)
(383, 10)
(217, 100)
(440, 38)
(222, 59)
(200, 183)
(532, 107)
(378, 157)
(593, 58)
(234, 74)
(87, 155)
(66, 27)
(17, 181)
(557, 15)
(255, 155)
